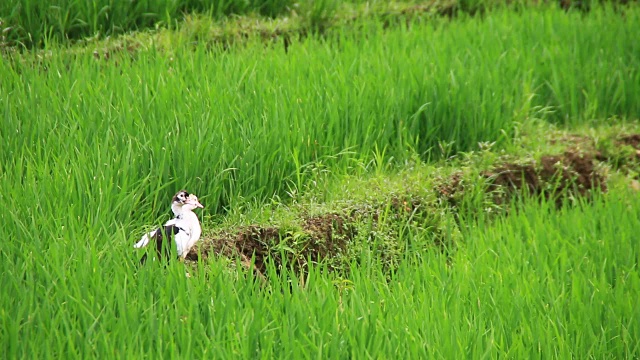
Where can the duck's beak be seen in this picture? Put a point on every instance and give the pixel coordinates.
(194, 201)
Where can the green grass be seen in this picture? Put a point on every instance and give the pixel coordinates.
(37, 24)
(542, 282)
(93, 148)
(254, 121)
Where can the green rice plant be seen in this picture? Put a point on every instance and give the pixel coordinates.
(94, 148)
(318, 14)
(36, 23)
(543, 282)
(249, 121)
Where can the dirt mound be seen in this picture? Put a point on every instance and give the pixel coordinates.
(255, 240)
(327, 236)
(631, 140)
(555, 177)
(329, 233)
(315, 238)
(513, 177)
(450, 189)
(320, 237)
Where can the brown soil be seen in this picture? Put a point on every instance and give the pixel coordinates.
(513, 177)
(405, 205)
(330, 234)
(448, 189)
(554, 177)
(324, 236)
(254, 241)
(632, 140)
(245, 243)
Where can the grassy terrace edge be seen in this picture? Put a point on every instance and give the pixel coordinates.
(332, 222)
(29, 25)
(197, 27)
(290, 19)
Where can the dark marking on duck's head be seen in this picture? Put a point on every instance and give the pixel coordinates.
(181, 197)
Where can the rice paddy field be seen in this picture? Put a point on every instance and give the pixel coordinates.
(95, 142)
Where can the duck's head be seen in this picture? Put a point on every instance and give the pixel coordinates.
(182, 201)
(192, 203)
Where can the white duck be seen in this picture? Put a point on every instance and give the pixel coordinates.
(184, 228)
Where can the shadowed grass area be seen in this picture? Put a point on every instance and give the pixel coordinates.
(36, 24)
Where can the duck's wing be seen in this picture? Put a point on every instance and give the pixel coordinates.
(146, 238)
(162, 239)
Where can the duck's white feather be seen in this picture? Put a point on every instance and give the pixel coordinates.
(189, 233)
(182, 240)
(144, 240)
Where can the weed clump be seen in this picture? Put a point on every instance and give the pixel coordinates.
(336, 239)
(320, 237)
(555, 177)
